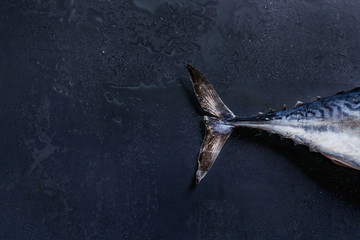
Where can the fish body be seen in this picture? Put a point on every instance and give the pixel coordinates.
(330, 126)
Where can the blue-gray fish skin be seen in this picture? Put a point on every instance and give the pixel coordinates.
(330, 126)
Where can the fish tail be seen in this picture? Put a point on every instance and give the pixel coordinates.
(217, 127)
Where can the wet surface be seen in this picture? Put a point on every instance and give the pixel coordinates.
(100, 130)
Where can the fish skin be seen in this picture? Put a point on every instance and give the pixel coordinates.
(330, 125)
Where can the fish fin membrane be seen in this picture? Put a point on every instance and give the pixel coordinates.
(217, 132)
(217, 129)
(207, 96)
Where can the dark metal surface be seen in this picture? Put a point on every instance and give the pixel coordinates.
(100, 129)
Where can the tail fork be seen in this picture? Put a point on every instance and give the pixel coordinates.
(217, 129)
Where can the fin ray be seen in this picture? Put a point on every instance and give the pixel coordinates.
(207, 96)
(215, 137)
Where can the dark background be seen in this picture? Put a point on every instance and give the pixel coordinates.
(100, 130)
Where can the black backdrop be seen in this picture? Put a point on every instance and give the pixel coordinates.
(100, 130)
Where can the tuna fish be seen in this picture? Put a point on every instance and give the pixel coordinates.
(330, 126)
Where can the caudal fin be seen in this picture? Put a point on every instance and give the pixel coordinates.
(217, 129)
(207, 96)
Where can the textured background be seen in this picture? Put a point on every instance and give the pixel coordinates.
(100, 130)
